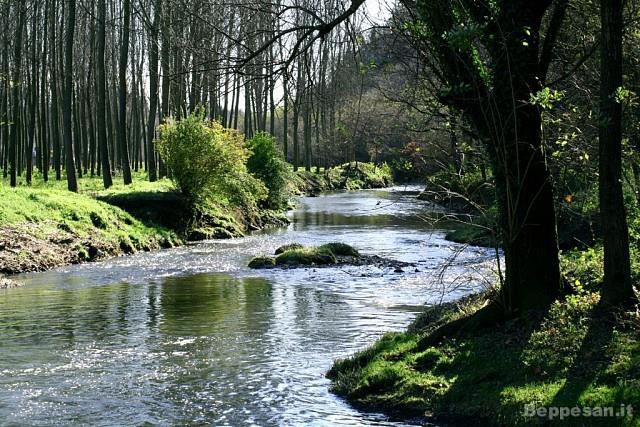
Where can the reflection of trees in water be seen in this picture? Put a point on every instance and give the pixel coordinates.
(213, 303)
(66, 317)
(212, 339)
(306, 218)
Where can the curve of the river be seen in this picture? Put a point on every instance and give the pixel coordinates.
(190, 336)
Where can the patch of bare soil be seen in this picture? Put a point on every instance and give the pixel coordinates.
(32, 247)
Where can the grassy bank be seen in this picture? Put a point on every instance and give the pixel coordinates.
(349, 176)
(44, 226)
(570, 356)
(47, 226)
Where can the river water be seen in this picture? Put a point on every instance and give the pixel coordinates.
(190, 336)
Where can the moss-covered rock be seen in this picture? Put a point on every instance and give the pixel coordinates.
(341, 249)
(306, 256)
(289, 247)
(262, 262)
(331, 254)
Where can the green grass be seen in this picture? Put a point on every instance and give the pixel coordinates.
(569, 357)
(47, 225)
(158, 205)
(79, 214)
(93, 185)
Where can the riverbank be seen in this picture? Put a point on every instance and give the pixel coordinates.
(45, 226)
(348, 176)
(570, 356)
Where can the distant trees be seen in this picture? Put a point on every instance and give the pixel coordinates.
(131, 63)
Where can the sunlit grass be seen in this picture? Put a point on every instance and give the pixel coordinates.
(568, 359)
(94, 185)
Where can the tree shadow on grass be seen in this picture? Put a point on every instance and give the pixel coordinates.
(164, 208)
(590, 364)
(494, 372)
(485, 364)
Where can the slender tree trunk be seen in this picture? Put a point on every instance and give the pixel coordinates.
(153, 88)
(33, 90)
(55, 117)
(72, 183)
(17, 76)
(43, 152)
(285, 118)
(101, 93)
(122, 128)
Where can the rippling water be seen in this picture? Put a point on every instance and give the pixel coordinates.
(191, 336)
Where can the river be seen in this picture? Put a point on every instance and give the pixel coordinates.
(190, 336)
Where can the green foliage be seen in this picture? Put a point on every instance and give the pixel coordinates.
(546, 98)
(208, 162)
(267, 164)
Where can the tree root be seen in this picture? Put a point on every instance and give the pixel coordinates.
(487, 316)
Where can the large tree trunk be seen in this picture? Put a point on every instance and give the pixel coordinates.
(523, 180)
(527, 217)
(511, 126)
(617, 288)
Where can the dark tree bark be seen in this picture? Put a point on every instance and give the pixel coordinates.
(285, 118)
(55, 112)
(33, 93)
(122, 128)
(101, 93)
(153, 95)
(72, 183)
(512, 135)
(17, 86)
(43, 151)
(617, 288)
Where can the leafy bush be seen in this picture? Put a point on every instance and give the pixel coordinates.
(208, 162)
(267, 164)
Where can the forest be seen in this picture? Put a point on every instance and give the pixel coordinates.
(431, 208)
